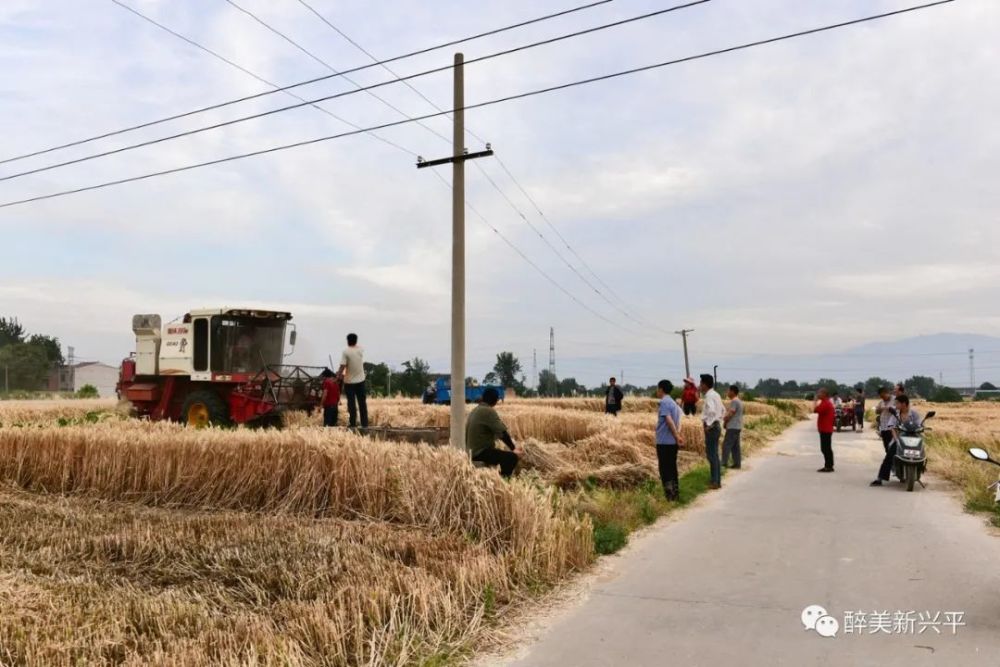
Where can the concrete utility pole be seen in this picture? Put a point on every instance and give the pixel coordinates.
(457, 161)
(534, 366)
(683, 333)
(972, 371)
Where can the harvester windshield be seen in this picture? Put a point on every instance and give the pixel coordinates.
(246, 344)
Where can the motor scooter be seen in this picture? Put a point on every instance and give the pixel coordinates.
(911, 453)
(982, 455)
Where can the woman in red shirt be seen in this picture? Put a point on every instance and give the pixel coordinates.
(824, 424)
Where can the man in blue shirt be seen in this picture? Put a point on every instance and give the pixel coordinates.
(668, 439)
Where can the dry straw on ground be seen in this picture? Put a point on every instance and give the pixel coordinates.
(126, 542)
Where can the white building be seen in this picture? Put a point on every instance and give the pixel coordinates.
(101, 376)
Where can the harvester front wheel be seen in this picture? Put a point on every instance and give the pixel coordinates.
(205, 408)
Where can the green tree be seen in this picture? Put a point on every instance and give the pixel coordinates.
(988, 386)
(25, 366)
(946, 395)
(11, 331)
(570, 387)
(873, 384)
(414, 378)
(790, 388)
(491, 378)
(50, 346)
(507, 369)
(771, 387)
(377, 376)
(921, 385)
(548, 383)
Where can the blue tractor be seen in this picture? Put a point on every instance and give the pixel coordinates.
(439, 393)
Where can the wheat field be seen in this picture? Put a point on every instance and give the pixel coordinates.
(955, 428)
(128, 542)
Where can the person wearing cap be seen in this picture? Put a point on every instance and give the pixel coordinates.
(712, 412)
(689, 396)
(482, 429)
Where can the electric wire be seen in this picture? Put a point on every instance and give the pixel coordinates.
(496, 186)
(286, 88)
(492, 182)
(537, 268)
(475, 211)
(327, 65)
(478, 105)
(325, 98)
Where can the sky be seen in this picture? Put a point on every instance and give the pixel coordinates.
(800, 198)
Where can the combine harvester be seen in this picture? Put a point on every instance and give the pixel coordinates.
(224, 366)
(217, 366)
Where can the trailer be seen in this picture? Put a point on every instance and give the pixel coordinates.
(439, 393)
(217, 366)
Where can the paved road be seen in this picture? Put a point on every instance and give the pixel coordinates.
(727, 584)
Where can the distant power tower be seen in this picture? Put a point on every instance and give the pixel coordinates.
(552, 361)
(70, 355)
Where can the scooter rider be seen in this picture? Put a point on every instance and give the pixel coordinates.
(901, 418)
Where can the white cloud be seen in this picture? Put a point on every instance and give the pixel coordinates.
(767, 194)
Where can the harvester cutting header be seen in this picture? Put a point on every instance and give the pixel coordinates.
(217, 366)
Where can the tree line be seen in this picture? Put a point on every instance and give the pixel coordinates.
(26, 359)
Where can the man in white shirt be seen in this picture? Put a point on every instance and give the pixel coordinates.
(712, 412)
(352, 372)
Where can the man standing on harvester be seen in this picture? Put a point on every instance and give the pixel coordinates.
(352, 372)
(482, 429)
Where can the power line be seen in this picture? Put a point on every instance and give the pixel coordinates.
(328, 66)
(279, 89)
(381, 63)
(319, 60)
(479, 105)
(479, 215)
(538, 268)
(482, 170)
(553, 227)
(214, 54)
(347, 93)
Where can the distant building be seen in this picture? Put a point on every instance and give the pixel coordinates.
(69, 379)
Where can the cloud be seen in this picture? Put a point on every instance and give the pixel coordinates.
(765, 197)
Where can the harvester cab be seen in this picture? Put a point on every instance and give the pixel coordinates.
(217, 366)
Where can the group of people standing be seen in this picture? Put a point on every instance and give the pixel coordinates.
(715, 417)
(351, 377)
(892, 413)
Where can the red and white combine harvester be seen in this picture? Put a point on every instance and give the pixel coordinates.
(217, 366)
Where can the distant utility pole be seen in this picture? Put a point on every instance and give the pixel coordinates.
(552, 361)
(457, 160)
(683, 333)
(534, 365)
(972, 371)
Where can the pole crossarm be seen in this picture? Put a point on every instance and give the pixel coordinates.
(421, 163)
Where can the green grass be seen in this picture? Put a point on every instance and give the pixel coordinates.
(618, 513)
